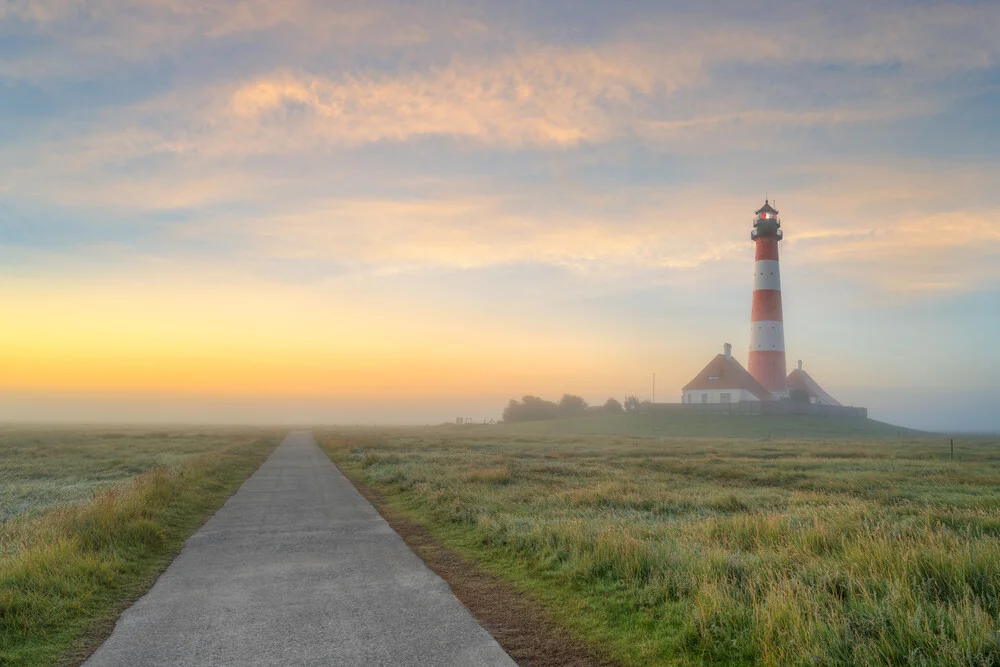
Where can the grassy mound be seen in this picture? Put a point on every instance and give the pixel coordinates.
(666, 425)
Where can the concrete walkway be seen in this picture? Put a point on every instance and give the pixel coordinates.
(297, 568)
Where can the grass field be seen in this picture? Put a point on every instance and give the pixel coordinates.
(92, 517)
(710, 426)
(44, 467)
(837, 550)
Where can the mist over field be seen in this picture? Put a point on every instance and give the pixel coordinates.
(953, 411)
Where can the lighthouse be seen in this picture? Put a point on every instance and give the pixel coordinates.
(767, 335)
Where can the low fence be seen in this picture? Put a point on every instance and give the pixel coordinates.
(757, 408)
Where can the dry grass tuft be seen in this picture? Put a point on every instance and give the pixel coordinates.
(490, 475)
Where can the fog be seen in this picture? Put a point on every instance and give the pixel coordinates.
(945, 410)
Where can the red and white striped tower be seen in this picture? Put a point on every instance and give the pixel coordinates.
(767, 335)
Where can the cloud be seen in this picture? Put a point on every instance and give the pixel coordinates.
(99, 37)
(350, 76)
(899, 238)
(929, 255)
(548, 97)
(249, 155)
(939, 37)
(678, 79)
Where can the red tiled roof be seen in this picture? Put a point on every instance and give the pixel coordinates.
(798, 379)
(722, 373)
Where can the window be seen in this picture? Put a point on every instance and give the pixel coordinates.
(704, 398)
(725, 398)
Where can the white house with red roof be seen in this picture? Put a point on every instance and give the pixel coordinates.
(802, 381)
(724, 380)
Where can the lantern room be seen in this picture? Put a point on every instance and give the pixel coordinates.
(766, 222)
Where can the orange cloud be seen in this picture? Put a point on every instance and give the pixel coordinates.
(546, 96)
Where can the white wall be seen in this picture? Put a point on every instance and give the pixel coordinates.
(715, 395)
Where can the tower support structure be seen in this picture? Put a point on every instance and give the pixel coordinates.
(767, 334)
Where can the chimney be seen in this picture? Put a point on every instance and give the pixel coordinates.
(727, 351)
(800, 365)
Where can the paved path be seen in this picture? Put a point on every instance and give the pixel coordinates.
(297, 568)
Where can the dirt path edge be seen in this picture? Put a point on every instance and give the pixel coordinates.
(520, 626)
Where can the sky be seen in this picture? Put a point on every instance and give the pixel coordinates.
(354, 212)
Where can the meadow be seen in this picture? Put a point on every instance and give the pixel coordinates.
(44, 467)
(844, 546)
(90, 517)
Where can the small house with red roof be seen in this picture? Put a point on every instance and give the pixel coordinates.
(801, 383)
(724, 380)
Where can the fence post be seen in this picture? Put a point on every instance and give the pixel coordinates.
(952, 448)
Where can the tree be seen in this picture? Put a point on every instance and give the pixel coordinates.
(533, 408)
(511, 412)
(613, 406)
(572, 405)
(530, 408)
(798, 395)
(631, 403)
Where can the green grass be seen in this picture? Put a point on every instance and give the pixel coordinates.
(68, 567)
(831, 551)
(44, 467)
(666, 425)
